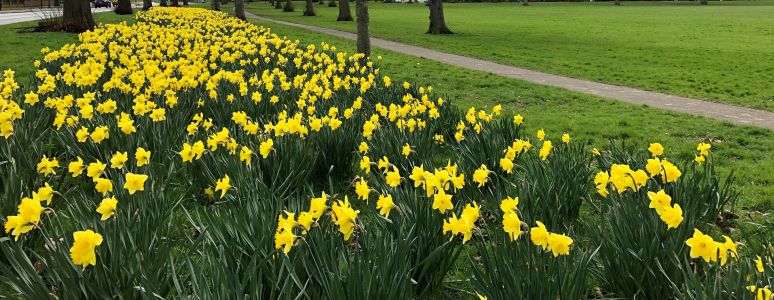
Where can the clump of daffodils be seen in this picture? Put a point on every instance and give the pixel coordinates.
(703, 246)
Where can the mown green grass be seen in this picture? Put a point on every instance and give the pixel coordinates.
(717, 52)
(20, 47)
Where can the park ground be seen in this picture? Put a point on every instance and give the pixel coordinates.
(715, 52)
(745, 152)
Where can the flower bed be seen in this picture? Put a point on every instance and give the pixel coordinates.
(195, 155)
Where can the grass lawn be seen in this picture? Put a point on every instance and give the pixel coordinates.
(746, 151)
(20, 48)
(718, 52)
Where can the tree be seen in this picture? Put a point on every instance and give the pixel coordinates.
(277, 4)
(703, 2)
(175, 3)
(526, 2)
(363, 41)
(309, 10)
(288, 6)
(344, 13)
(332, 3)
(76, 16)
(214, 5)
(185, 2)
(437, 24)
(163, 3)
(147, 4)
(239, 9)
(617, 2)
(124, 7)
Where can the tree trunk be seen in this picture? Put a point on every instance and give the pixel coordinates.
(332, 3)
(309, 10)
(175, 3)
(56, 3)
(363, 41)
(239, 9)
(163, 3)
(526, 2)
(214, 5)
(703, 2)
(277, 4)
(185, 2)
(288, 6)
(147, 4)
(437, 24)
(617, 2)
(344, 13)
(76, 16)
(124, 7)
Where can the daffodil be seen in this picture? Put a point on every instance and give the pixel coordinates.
(442, 201)
(118, 160)
(406, 150)
(507, 165)
(509, 204)
(365, 164)
(659, 201)
(107, 208)
(702, 246)
(703, 149)
(76, 167)
(725, 249)
(29, 211)
(223, 185)
(393, 178)
(246, 155)
(47, 166)
(539, 235)
(284, 240)
(142, 156)
(44, 193)
(266, 147)
(84, 245)
(100, 134)
(656, 149)
(103, 185)
(672, 215)
(481, 175)
(759, 264)
(135, 182)
(363, 148)
(362, 189)
(540, 134)
(518, 120)
(559, 244)
(512, 225)
(545, 150)
(385, 205)
(344, 217)
(95, 169)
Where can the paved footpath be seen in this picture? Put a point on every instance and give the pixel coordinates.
(34, 14)
(730, 113)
